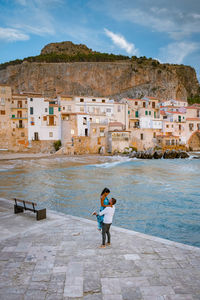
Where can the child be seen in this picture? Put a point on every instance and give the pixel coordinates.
(108, 214)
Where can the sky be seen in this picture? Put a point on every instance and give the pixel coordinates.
(168, 31)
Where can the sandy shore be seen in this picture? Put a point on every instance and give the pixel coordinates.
(10, 155)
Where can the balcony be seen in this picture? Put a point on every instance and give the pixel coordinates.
(18, 117)
(25, 106)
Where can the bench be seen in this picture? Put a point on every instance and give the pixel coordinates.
(21, 205)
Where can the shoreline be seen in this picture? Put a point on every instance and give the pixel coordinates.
(28, 156)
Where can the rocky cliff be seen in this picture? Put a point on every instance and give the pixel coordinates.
(128, 78)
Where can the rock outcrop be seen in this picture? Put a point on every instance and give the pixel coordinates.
(68, 48)
(134, 77)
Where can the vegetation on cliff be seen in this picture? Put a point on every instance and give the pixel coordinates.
(64, 58)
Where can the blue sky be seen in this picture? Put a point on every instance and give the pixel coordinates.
(166, 30)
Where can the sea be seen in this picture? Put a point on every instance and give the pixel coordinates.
(155, 197)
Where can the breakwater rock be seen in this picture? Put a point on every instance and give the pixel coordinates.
(158, 154)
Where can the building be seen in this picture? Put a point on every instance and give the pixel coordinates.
(5, 125)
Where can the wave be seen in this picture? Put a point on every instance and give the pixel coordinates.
(118, 160)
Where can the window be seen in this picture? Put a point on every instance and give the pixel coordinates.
(198, 126)
(179, 126)
(136, 103)
(31, 110)
(46, 110)
(103, 101)
(108, 110)
(141, 136)
(45, 118)
(69, 107)
(146, 113)
(2, 101)
(31, 99)
(191, 126)
(149, 113)
(82, 108)
(119, 108)
(51, 110)
(167, 142)
(167, 126)
(154, 114)
(63, 107)
(3, 112)
(179, 118)
(72, 131)
(22, 134)
(154, 135)
(102, 131)
(136, 114)
(81, 100)
(50, 134)
(153, 105)
(144, 104)
(94, 100)
(84, 121)
(97, 120)
(94, 130)
(164, 117)
(3, 90)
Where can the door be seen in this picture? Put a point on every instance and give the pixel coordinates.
(36, 137)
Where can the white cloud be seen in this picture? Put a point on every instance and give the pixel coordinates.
(176, 52)
(10, 35)
(121, 42)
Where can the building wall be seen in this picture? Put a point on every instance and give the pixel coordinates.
(5, 125)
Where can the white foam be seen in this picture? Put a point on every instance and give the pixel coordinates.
(117, 160)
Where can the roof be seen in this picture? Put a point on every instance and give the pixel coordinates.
(167, 136)
(70, 113)
(192, 107)
(176, 112)
(193, 119)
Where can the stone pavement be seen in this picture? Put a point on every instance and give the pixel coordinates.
(58, 258)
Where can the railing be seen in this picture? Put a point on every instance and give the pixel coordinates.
(19, 107)
(13, 117)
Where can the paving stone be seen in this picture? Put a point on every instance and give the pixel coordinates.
(60, 259)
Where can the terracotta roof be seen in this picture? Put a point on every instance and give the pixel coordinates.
(166, 136)
(176, 112)
(193, 119)
(70, 113)
(192, 107)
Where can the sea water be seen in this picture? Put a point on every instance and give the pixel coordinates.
(156, 197)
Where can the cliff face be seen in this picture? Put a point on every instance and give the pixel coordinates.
(118, 79)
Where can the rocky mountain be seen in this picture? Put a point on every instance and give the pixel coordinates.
(133, 77)
(68, 48)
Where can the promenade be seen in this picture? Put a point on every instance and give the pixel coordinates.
(59, 258)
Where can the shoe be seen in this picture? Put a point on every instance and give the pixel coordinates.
(108, 244)
(102, 246)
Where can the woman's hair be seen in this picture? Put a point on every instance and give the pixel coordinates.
(105, 190)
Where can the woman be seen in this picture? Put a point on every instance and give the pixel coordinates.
(104, 203)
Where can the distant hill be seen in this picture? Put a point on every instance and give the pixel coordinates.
(66, 68)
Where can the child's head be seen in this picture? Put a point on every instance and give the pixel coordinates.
(113, 201)
(105, 191)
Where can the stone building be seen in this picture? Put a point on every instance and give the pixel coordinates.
(5, 112)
